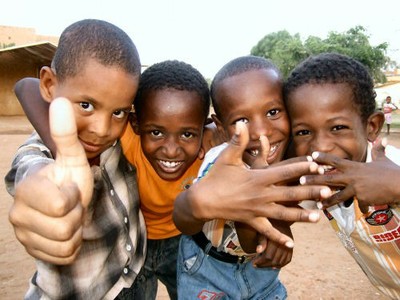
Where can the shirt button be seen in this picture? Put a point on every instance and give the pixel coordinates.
(126, 270)
(128, 247)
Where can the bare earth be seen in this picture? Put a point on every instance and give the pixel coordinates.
(321, 268)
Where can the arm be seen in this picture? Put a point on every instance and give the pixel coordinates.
(232, 191)
(51, 229)
(35, 107)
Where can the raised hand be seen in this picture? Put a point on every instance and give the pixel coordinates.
(232, 191)
(372, 183)
(49, 204)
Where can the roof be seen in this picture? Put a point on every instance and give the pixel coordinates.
(39, 53)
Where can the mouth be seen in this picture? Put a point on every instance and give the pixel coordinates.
(89, 147)
(169, 166)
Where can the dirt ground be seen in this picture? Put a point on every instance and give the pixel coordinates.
(321, 268)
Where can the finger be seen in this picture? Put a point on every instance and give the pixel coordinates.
(285, 173)
(334, 180)
(291, 214)
(265, 228)
(262, 244)
(261, 159)
(71, 160)
(33, 222)
(378, 149)
(298, 193)
(332, 160)
(59, 253)
(338, 197)
(52, 202)
(233, 153)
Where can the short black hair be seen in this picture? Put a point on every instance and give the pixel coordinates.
(335, 68)
(238, 66)
(176, 75)
(97, 39)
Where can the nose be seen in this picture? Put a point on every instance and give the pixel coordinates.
(322, 142)
(101, 125)
(171, 147)
(259, 127)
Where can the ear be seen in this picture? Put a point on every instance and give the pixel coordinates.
(134, 122)
(48, 80)
(374, 125)
(220, 128)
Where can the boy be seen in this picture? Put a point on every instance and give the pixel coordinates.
(164, 153)
(249, 90)
(97, 67)
(331, 104)
(171, 109)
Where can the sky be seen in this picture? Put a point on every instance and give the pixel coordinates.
(209, 33)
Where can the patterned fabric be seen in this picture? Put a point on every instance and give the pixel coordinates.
(157, 196)
(221, 233)
(373, 239)
(114, 242)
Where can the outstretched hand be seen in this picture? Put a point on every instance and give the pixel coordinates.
(233, 191)
(49, 204)
(372, 183)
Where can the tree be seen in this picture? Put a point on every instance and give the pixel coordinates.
(287, 51)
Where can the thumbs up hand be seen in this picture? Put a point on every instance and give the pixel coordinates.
(50, 203)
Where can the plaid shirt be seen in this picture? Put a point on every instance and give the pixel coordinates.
(113, 247)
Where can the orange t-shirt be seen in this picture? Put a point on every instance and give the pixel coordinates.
(157, 195)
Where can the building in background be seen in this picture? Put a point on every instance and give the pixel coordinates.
(22, 54)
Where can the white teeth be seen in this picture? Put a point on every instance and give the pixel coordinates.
(254, 152)
(170, 164)
(273, 149)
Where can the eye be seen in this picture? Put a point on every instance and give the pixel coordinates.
(120, 114)
(244, 120)
(272, 112)
(339, 127)
(187, 135)
(302, 132)
(86, 106)
(156, 133)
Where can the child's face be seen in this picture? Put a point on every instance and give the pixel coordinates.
(171, 128)
(102, 98)
(324, 119)
(255, 97)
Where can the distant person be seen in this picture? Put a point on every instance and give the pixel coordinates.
(388, 107)
(340, 136)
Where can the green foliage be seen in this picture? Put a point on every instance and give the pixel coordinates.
(287, 51)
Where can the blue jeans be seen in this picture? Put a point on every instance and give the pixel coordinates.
(160, 264)
(201, 276)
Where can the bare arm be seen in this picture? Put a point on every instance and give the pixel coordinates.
(35, 107)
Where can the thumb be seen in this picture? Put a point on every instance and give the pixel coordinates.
(232, 155)
(71, 164)
(378, 149)
(261, 159)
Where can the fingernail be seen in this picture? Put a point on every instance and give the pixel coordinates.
(315, 155)
(320, 205)
(314, 216)
(302, 180)
(309, 158)
(289, 244)
(321, 171)
(325, 192)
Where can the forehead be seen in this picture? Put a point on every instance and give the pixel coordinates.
(249, 82)
(325, 97)
(106, 85)
(170, 102)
